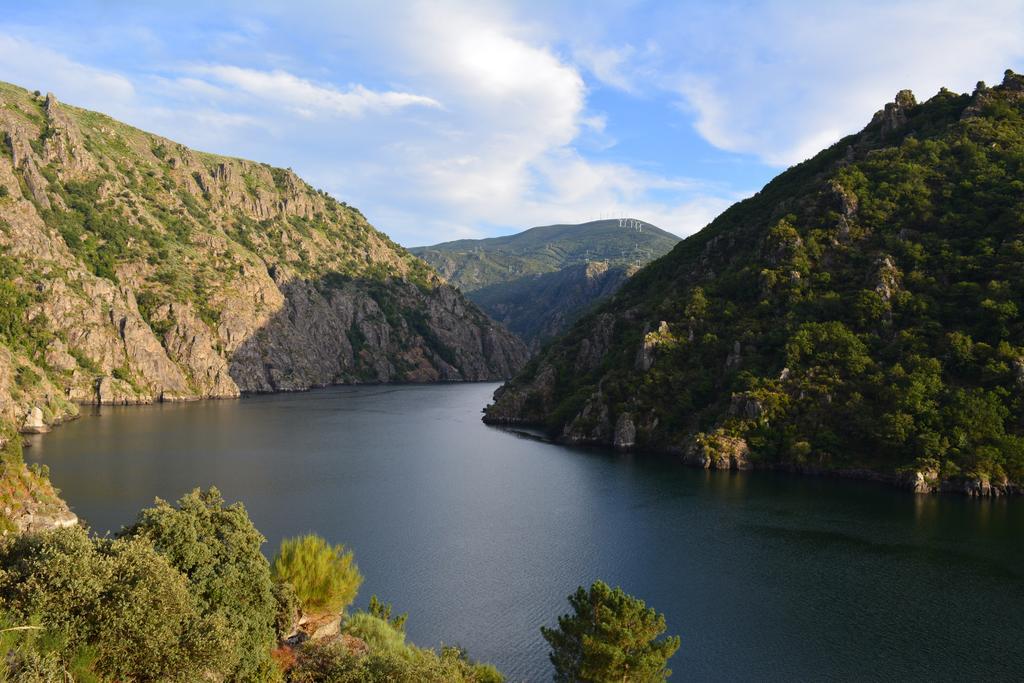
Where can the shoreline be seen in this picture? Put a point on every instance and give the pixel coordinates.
(966, 488)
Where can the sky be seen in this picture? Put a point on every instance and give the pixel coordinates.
(445, 120)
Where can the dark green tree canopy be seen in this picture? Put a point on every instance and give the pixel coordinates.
(609, 637)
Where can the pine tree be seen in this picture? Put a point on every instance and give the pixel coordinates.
(610, 637)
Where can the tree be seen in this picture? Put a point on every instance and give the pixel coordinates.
(382, 610)
(325, 577)
(217, 548)
(609, 637)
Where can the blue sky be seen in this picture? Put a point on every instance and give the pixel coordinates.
(443, 120)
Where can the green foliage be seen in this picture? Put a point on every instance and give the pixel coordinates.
(35, 654)
(609, 637)
(217, 549)
(94, 230)
(378, 633)
(475, 264)
(120, 599)
(874, 295)
(539, 281)
(389, 659)
(325, 577)
(17, 330)
(382, 610)
(287, 609)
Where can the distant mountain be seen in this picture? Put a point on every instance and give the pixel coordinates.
(862, 314)
(473, 264)
(539, 281)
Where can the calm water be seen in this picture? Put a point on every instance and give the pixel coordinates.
(480, 534)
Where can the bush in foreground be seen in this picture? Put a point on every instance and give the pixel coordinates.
(121, 599)
(325, 577)
(217, 549)
(389, 658)
(609, 637)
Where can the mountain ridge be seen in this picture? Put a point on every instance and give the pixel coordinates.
(538, 281)
(474, 263)
(857, 316)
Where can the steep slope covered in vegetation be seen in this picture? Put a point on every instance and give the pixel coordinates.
(539, 307)
(861, 314)
(135, 269)
(539, 281)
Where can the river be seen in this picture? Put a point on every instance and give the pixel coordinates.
(481, 534)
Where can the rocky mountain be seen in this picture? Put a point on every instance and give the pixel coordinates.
(860, 315)
(136, 269)
(539, 281)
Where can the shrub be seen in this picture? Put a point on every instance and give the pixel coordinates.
(217, 548)
(609, 636)
(325, 577)
(334, 663)
(378, 634)
(120, 598)
(287, 609)
(382, 610)
(34, 654)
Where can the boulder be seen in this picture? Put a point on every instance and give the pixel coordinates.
(625, 432)
(34, 422)
(717, 451)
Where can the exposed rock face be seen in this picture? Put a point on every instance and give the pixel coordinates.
(45, 520)
(717, 451)
(29, 501)
(894, 115)
(34, 423)
(652, 340)
(924, 480)
(523, 405)
(746, 407)
(592, 425)
(625, 432)
(887, 277)
(154, 272)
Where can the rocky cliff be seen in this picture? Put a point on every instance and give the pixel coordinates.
(860, 315)
(135, 269)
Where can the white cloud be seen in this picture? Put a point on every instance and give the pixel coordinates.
(281, 88)
(39, 67)
(608, 65)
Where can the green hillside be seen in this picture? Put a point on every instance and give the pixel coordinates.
(861, 314)
(473, 264)
(538, 282)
